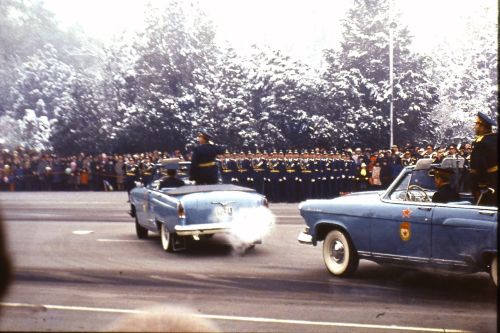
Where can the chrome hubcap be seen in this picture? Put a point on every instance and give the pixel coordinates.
(337, 252)
(164, 237)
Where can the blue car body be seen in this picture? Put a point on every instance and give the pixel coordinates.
(188, 211)
(401, 225)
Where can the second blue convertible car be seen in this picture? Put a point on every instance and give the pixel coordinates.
(402, 226)
(197, 211)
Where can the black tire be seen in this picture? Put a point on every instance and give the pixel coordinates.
(140, 231)
(339, 255)
(167, 241)
(494, 270)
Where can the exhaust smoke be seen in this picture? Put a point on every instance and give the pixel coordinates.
(250, 226)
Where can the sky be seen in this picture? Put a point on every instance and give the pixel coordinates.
(301, 28)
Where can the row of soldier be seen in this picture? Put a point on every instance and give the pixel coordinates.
(290, 177)
(281, 176)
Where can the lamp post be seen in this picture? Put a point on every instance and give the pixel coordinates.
(391, 79)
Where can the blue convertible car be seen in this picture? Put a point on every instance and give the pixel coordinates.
(402, 226)
(197, 211)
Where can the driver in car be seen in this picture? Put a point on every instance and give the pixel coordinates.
(171, 179)
(445, 193)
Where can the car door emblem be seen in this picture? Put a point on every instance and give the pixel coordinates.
(407, 212)
(404, 231)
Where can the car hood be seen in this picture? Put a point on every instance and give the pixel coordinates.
(348, 204)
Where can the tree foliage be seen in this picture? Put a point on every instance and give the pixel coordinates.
(360, 73)
(467, 80)
(60, 91)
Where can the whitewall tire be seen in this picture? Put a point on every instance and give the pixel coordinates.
(494, 270)
(166, 238)
(140, 231)
(339, 254)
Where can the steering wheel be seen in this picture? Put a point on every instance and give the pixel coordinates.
(413, 197)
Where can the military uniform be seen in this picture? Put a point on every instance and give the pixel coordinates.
(232, 170)
(484, 167)
(290, 180)
(274, 180)
(225, 170)
(171, 181)
(258, 167)
(446, 194)
(242, 173)
(203, 168)
(131, 175)
(306, 171)
(247, 174)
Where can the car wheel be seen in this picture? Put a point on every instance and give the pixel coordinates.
(140, 230)
(339, 255)
(494, 270)
(166, 238)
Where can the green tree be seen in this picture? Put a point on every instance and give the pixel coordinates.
(364, 55)
(42, 80)
(282, 97)
(467, 77)
(81, 127)
(173, 71)
(25, 28)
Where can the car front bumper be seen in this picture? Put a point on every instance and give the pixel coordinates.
(304, 237)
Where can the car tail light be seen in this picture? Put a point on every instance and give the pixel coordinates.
(180, 211)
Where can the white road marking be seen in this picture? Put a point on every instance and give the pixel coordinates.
(236, 318)
(82, 232)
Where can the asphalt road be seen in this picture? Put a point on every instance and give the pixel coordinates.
(80, 267)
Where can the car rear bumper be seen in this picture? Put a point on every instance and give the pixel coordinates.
(202, 229)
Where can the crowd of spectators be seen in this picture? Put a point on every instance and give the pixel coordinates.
(26, 170)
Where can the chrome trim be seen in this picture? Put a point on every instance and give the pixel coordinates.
(304, 238)
(364, 253)
(224, 204)
(420, 259)
(449, 262)
(202, 229)
(397, 257)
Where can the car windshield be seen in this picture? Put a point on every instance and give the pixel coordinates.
(418, 185)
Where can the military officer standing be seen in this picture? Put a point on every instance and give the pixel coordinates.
(232, 166)
(226, 171)
(483, 162)
(204, 169)
(132, 174)
(258, 166)
(274, 178)
(306, 172)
